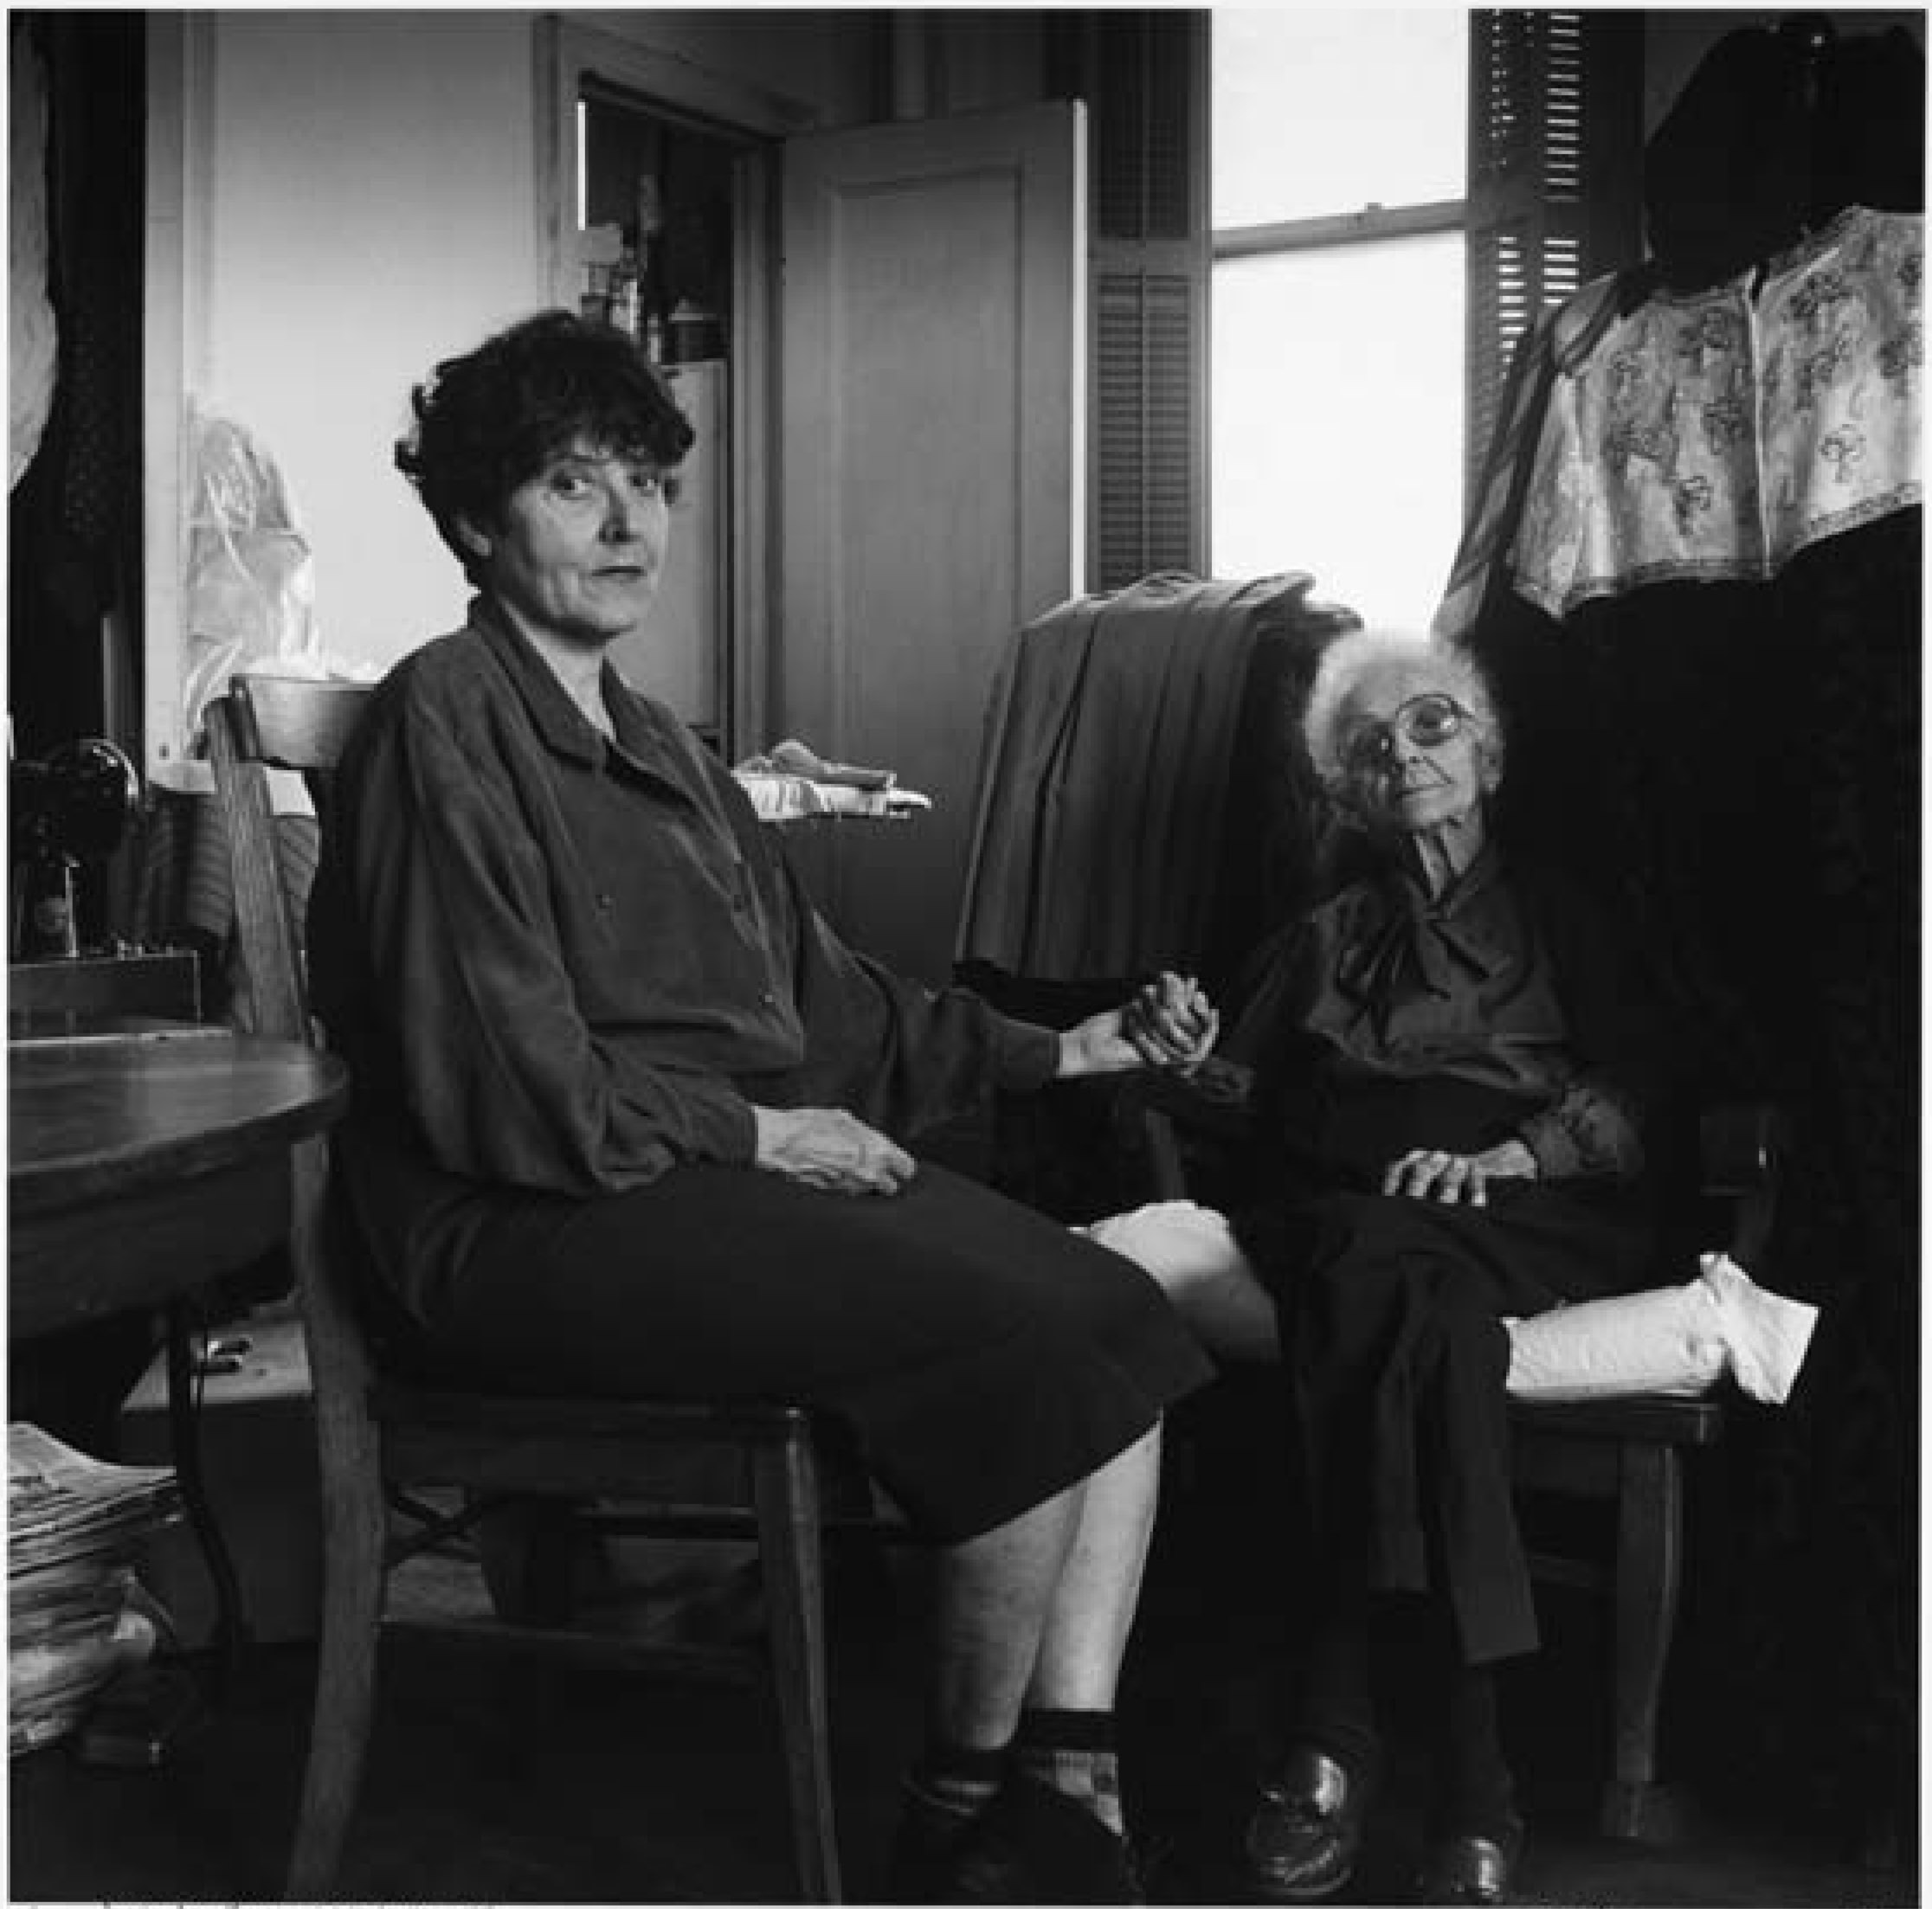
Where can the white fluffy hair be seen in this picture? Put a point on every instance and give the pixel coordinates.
(1433, 665)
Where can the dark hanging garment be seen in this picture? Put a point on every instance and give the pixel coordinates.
(1736, 765)
(1776, 133)
(1132, 789)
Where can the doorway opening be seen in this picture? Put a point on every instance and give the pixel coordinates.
(658, 225)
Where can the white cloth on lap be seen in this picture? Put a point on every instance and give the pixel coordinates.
(1679, 1341)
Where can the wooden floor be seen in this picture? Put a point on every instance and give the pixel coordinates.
(500, 1776)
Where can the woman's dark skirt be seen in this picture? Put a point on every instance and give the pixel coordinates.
(984, 1356)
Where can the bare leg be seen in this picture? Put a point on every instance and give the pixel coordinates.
(1232, 1315)
(1092, 1609)
(992, 1595)
(1192, 1253)
(1034, 1620)
(1038, 1610)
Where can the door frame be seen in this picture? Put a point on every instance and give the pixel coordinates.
(174, 361)
(757, 119)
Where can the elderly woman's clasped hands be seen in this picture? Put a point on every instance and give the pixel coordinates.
(1171, 1023)
(1166, 1023)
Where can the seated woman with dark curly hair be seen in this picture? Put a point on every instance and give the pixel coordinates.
(628, 1116)
(1454, 1079)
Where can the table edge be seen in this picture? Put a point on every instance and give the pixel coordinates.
(47, 1186)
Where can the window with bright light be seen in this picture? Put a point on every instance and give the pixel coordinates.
(1340, 143)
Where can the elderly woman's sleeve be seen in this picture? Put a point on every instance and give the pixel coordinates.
(500, 1070)
(1592, 1131)
(1602, 1123)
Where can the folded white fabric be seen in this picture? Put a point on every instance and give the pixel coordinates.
(792, 781)
(1679, 1341)
(777, 798)
(792, 757)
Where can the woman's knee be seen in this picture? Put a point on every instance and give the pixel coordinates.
(1180, 1244)
(1191, 1252)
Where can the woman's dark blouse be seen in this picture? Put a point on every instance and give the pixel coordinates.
(560, 965)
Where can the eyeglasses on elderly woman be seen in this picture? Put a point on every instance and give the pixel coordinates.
(1428, 722)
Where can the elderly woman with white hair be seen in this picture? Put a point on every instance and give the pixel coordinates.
(1452, 1084)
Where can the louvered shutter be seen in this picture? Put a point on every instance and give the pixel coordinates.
(1145, 76)
(1554, 180)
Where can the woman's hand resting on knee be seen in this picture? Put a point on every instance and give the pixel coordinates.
(829, 1148)
(1422, 1174)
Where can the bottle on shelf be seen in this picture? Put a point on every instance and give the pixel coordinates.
(624, 293)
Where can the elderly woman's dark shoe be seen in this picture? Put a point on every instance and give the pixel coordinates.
(1303, 1839)
(1469, 1868)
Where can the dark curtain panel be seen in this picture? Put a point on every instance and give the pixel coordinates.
(75, 523)
(1737, 765)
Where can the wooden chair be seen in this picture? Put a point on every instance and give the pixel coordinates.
(1626, 1452)
(733, 1472)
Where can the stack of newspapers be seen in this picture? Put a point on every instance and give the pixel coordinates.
(76, 1615)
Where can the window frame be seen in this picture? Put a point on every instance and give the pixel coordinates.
(1414, 219)
(1373, 223)
(1550, 201)
(1151, 493)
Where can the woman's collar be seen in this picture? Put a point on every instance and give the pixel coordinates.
(562, 725)
(1463, 888)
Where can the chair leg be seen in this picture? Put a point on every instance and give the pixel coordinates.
(355, 1535)
(527, 1548)
(787, 1494)
(1650, 1544)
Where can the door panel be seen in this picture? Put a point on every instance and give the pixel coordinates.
(931, 450)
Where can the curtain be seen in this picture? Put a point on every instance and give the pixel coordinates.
(30, 333)
(1737, 765)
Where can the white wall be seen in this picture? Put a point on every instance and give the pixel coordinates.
(338, 200)
(342, 197)
(372, 208)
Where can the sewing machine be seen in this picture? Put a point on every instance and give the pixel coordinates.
(69, 812)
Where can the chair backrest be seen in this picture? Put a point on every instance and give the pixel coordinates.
(1142, 800)
(288, 722)
(263, 722)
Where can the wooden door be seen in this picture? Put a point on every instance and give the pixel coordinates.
(930, 448)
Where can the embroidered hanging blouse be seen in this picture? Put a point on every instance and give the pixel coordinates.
(1713, 436)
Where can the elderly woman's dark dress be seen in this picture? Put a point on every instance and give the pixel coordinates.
(1504, 1009)
(1454, 1102)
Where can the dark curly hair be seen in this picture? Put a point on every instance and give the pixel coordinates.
(490, 420)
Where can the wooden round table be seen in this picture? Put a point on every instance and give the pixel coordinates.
(140, 1168)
